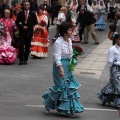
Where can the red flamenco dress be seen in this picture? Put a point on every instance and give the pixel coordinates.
(40, 42)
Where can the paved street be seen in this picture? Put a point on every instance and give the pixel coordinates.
(21, 87)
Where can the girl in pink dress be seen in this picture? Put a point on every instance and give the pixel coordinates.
(7, 52)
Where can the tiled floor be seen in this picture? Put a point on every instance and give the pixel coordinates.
(95, 62)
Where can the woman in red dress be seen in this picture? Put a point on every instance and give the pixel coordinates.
(40, 41)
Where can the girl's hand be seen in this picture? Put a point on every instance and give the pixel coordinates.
(62, 74)
(3, 32)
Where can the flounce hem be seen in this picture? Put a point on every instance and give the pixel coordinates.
(8, 54)
(39, 54)
(64, 99)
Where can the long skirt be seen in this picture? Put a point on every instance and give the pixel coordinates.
(111, 91)
(40, 45)
(100, 24)
(63, 95)
(8, 54)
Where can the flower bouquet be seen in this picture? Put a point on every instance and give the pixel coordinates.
(77, 50)
(41, 24)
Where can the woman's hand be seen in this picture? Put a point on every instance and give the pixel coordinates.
(62, 74)
(3, 32)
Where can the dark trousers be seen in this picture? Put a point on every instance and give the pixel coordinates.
(57, 34)
(24, 47)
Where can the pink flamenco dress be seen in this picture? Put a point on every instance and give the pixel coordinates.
(7, 52)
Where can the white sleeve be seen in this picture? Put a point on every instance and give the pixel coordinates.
(57, 52)
(89, 8)
(46, 19)
(110, 57)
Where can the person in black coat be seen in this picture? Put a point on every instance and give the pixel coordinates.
(3, 7)
(87, 20)
(33, 6)
(25, 21)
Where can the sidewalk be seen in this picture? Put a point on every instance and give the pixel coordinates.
(94, 64)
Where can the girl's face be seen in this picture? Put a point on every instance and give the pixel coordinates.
(118, 41)
(69, 33)
(40, 11)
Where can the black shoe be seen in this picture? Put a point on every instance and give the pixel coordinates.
(96, 43)
(85, 43)
(52, 24)
(21, 62)
(25, 62)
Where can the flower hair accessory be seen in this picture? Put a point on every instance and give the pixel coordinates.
(115, 35)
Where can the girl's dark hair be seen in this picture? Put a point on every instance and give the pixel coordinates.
(64, 27)
(112, 27)
(117, 36)
(41, 7)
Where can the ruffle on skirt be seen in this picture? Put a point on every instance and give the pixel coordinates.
(7, 54)
(100, 24)
(63, 96)
(111, 91)
(39, 47)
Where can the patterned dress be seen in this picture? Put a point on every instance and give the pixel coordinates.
(40, 41)
(75, 35)
(63, 95)
(100, 24)
(7, 52)
(111, 91)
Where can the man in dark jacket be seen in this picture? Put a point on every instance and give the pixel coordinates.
(3, 7)
(33, 6)
(89, 21)
(25, 21)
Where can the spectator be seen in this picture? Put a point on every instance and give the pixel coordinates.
(55, 10)
(33, 6)
(88, 23)
(57, 7)
(111, 11)
(61, 18)
(3, 7)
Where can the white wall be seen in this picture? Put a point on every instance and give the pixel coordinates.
(39, 2)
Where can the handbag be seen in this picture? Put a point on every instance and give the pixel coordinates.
(110, 35)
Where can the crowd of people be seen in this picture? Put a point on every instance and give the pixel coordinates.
(31, 31)
(24, 30)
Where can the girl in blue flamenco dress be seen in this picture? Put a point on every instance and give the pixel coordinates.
(110, 93)
(63, 96)
(101, 24)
